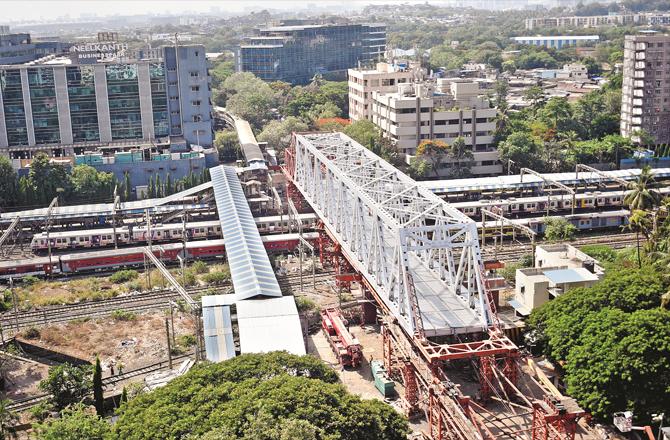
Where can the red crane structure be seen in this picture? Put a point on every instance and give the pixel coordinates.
(419, 259)
(346, 347)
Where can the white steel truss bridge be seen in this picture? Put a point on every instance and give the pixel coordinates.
(420, 255)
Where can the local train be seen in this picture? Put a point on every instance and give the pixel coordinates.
(592, 221)
(104, 260)
(555, 203)
(98, 238)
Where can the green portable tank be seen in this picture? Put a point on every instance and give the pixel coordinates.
(382, 382)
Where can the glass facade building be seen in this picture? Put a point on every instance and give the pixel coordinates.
(67, 107)
(14, 111)
(295, 54)
(83, 107)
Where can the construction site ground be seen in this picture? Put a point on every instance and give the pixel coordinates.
(128, 341)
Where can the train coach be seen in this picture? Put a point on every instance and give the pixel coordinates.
(542, 204)
(101, 238)
(104, 260)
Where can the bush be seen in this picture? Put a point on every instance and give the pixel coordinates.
(558, 229)
(31, 333)
(123, 276)
(305, 304)
(189, 278)
(200, 267)
(186, 340)
(122, 315)
(601, 252)
(30, 280)
(216, 277)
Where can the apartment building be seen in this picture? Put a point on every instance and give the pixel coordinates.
(384, 79)
(645, 98)
(598, 20)
(558, 41)
(443, 110)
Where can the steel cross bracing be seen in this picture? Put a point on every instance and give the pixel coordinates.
(394, 231)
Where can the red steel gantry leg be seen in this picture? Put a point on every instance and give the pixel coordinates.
(486, 364)
(411, 400)
(553, 421)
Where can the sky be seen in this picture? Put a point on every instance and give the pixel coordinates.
(13, 10)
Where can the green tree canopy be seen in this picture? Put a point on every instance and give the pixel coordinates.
(67, 384)
(227, 144)
(74, 423)
(278, 133)
(89, 184)
(9, 183)
(558, 229)
(523, 149)
(275, 394)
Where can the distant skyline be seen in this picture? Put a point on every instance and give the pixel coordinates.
(42, 10)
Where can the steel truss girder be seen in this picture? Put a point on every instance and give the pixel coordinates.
(384, 221)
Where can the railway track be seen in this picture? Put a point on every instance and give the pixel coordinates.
(136, 303)
(24, 404)
(514, 251)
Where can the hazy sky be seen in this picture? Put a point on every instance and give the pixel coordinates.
(11, 10)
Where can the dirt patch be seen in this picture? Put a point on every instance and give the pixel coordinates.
(132, 341)
(23, 379)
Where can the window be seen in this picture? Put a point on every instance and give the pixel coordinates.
(195, 74)
(197, 53)
(197, 118)
(523, 289)
(195, 103)
(195, 88)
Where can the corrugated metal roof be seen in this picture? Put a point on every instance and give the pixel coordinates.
(218, 332)
(531, 181)
(250, 267)
(270, 324)
(101, 209)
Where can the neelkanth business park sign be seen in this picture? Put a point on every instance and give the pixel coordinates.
(86, 53)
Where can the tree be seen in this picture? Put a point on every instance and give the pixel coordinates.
(51, 179)
(365, 133)
(642, 195)
(534, 95)
(278, 134)
(67, 384)
(127, 190)
(522, 149)
(9, 183)
(98, 396)
(621, 363)
(75, 423)
(432, 151)
(238, 398)
(639, 222)
(249, 98)
(419, 168)
(227, 144)
(558, 229)
(460, 152)
(89, 184)
(7, 419)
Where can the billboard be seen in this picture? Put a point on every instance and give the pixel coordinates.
(89, 53)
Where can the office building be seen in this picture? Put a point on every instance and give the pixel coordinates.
(645, 97)
(295, 53)
(557, 42)
(21, 48)
(384, 79)
(443, 110)
(94, 100)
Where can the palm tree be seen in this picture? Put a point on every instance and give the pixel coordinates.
(7, 419)
(639, 222)
(459, 151)
(642, 196)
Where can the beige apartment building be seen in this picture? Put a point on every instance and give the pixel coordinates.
(442, 110)
(384, 78)
(645, 97)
